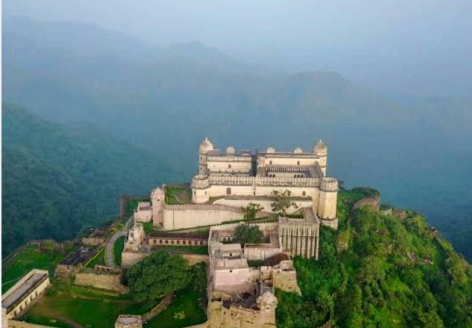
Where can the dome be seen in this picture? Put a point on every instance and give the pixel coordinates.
(320, 147)
(298, 151)
(206, 146)
(230, 151)
(270, 150)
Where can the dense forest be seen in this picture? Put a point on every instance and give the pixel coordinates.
(59, 179)
(380, 270)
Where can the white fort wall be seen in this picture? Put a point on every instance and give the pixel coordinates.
(266, 204)
(189, 216)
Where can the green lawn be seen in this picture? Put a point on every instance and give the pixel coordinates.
(118, 249)
(63, 306)
(187, 307)
(98, 259)
(178, 195)
(25, 261)
(184, 311)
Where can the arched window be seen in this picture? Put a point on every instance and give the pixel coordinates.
(270, 162)
(229, 165)
(298, 162)
(228, 191)
(304, 193)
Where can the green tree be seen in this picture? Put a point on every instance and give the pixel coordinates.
(248, 234)
(282, 202)
(159, 274)
(251, 210)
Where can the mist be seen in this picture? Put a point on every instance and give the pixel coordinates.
(393, 46)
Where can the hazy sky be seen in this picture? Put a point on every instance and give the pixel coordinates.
(394, 43)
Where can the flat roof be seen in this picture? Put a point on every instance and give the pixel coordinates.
(23, 290)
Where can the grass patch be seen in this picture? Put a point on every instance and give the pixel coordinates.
(177, 195)
(97, 259)
(187, 307)
(27, 260)
(202, 250)
(148, 227)
(118, 249)
(86, 307)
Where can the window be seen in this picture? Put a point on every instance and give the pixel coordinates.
(229, 165)
(270, 162)
(304, 193)
(298, 162)
(228, 191)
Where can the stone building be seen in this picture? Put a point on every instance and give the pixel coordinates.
(240, 295)
(20, 297)
(228, 181)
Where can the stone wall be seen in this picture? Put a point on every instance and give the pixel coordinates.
(101, 281)
(372, 202)
(190, 216)
(93, 241)
(22, 324)
(128, 259)
(265, 203)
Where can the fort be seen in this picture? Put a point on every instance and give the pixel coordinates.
(226, 184)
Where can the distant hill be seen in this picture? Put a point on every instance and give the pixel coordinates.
(58, 179)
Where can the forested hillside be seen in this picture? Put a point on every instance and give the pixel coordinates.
(380, 270)
(58, 179)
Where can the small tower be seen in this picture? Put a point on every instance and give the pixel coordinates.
(328, 201)
(321, 150)
(204, 148)
(267, 303)
(157, 200)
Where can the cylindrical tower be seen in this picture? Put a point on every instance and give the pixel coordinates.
(204, 148)
(200, 189)
(321, 150)
(328, 201)
(157, 200)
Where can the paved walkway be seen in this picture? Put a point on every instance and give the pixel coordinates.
(110, 247)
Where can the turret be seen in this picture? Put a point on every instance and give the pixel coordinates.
(321, 150)
(204, 148)
(157, 200)
(200, 187)
(327, 202)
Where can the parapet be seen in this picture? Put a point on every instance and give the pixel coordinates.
(329, 184)
(200, 182)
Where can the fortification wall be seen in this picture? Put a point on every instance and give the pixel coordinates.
(372, 202)
(189, 216)
(93, 241)
(100, 281)
(266, 204)
(128, 259)
(23, 324)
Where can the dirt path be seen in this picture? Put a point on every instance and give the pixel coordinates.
(159, 307)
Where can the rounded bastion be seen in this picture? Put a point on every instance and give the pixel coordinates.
(329, 184)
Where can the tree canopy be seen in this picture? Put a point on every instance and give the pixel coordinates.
(282, 202)
(248, 234)
(251, 210)
(157, 275)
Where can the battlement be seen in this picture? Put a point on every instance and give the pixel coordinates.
(329, 184)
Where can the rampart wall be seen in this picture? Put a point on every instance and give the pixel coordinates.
(101, 281)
